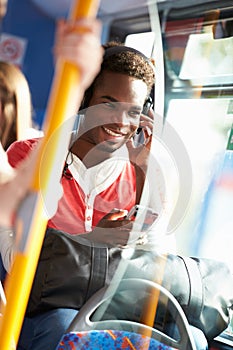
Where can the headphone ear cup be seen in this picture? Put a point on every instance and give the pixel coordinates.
(86, 98)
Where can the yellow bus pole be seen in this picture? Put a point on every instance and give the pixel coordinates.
(32, 219)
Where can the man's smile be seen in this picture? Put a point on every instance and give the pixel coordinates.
(114, 133)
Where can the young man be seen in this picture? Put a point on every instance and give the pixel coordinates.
(100, 174)
(104, 172)
(97, 179)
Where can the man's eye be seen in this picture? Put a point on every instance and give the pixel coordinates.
(108, 105)
(134, 114)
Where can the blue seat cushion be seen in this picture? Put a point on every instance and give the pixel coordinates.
(109, 339)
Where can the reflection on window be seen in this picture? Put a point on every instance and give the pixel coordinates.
(199, 50)
(143, 42)
(203, 126)
(208, 61)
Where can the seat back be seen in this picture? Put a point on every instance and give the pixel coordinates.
(90, 327)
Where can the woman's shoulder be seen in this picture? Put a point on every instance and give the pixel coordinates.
(19, 150)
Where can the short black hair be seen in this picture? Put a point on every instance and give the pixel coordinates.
(122, 59)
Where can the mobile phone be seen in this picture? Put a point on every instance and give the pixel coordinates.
(147, 214)
(146, 107)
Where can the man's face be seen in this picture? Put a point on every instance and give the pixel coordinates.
(114, 113)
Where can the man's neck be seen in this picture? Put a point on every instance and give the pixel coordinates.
(89, 154)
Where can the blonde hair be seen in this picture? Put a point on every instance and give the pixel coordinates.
(16, 107)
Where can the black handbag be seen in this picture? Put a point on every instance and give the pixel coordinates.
(71, 269)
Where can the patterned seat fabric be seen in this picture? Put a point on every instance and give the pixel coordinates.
(109, 339)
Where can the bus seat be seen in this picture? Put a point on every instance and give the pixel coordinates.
(109, 339)
(89, 329)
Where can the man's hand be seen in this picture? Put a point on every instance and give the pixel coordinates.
(113, 229)
(116, 230)
(139, 153)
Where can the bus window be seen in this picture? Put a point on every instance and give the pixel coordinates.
(143, 42)
(198, 97)
(198, 44)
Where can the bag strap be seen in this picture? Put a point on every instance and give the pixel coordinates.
(100, 255)
(140, 180)
(195, 304)
(98, 270)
